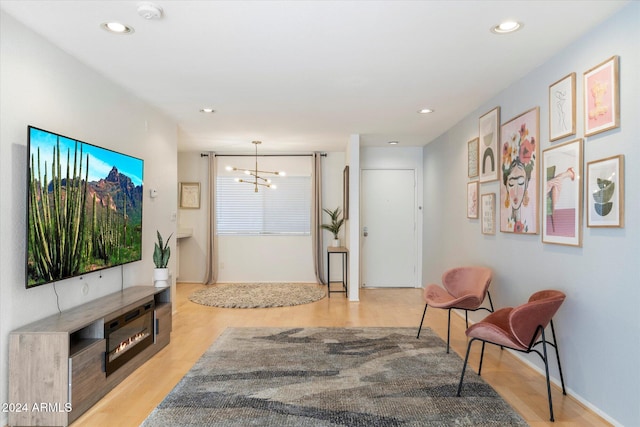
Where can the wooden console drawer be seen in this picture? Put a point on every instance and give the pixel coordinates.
(87, 372)
(163, 324)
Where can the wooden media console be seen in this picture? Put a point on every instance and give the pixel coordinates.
(57, 365)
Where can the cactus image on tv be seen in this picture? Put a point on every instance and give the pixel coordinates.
(84, 208)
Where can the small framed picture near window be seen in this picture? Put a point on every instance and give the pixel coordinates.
(562, 199)
(472, 199)
(190, 195)
(602, 97)
(562, 108)
(472, 158)
(605, 192)
(488, 213)
(488, 156)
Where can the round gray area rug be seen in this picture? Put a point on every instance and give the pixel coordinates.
(258, 295)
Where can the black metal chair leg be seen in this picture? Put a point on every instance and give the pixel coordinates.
(490, 302)
(423, 313)
(481, 358)
(555, 343)
(546, 370)
(464, 367)
(448, 329)
(466, 318)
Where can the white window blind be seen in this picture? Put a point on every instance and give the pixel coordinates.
(285, 210)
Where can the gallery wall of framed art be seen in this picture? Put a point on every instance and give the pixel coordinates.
(509, 153)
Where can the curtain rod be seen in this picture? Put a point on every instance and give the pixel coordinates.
(262, 155)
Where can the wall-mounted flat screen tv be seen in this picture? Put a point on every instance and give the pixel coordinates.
(84, 208)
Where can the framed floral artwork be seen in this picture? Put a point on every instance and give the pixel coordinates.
(562, 108)
(489, 135)
(488, 213)
(472, 158)
(472, 199)
(519, 173)
(602, 97)
(562, 198)
(605, 192)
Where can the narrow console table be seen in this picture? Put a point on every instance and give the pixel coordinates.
(344, 252)
(57, 364)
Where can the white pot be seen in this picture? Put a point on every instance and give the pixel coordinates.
(161, 277)
(336, 243)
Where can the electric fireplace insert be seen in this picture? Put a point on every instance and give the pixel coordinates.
(128, 335)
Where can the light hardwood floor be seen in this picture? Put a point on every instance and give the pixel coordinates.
(196, 327)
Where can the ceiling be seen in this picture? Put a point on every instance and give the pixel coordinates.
(304, 75)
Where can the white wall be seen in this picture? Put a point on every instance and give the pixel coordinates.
(42, 86)
(598, 327)
(251, 258)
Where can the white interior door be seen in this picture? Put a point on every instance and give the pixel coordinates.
(388, 228)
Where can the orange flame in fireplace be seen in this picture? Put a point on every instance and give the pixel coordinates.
(126, 344)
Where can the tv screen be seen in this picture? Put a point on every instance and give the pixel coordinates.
(84, 208)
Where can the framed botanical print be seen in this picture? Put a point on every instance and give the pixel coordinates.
(605, 192)
(602, 97)
(489, 135)
(472, 158)
(472, 199)
(520, 138)
(190, 195)
(562, 108)
(488, 213)
(562, 194)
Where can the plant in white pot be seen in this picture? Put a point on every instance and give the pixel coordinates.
(335, 225)
(161, 255)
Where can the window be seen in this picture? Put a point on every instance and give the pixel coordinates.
(283, 211)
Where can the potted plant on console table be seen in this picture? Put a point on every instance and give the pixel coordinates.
(336, 224)
(161, 255)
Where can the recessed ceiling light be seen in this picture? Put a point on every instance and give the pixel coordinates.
(425, 111)
(393, 142)
(507, 27)
(207, 110)
(117, 28)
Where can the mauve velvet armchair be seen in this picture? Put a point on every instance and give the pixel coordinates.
(521, 328)
(465, 288)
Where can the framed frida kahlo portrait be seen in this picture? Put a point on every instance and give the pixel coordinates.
(602, 97)
(520, 138)
(605, 192)
(488, 156)
(562, 194)
(562, 108)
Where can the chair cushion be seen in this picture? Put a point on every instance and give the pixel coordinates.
(437, 297)
(495, 329)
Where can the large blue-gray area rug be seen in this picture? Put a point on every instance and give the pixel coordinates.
(330, 377)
